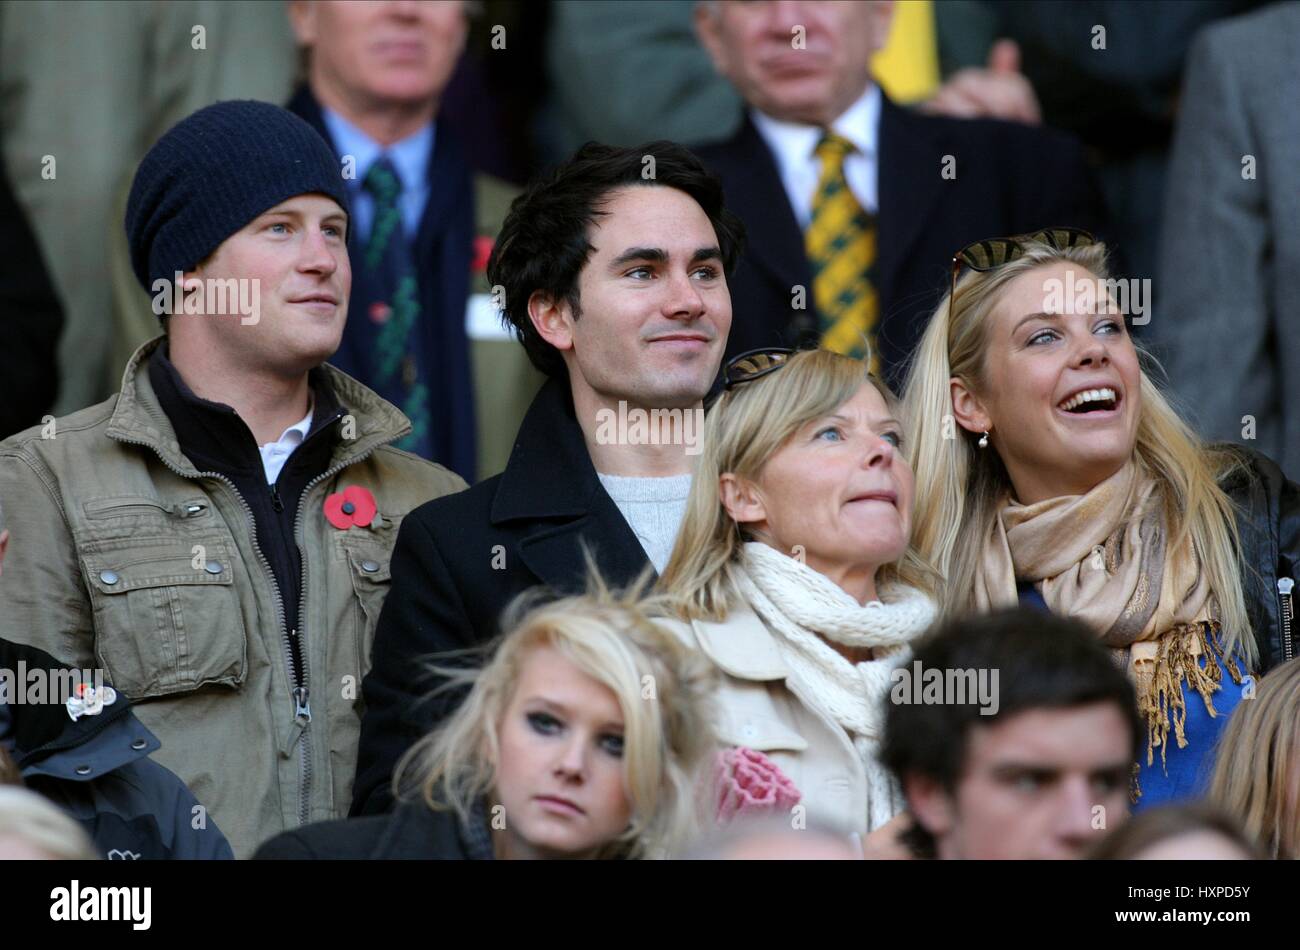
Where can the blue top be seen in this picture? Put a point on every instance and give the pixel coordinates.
(1186, 772)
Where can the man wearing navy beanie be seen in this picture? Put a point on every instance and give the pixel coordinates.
(216, 536)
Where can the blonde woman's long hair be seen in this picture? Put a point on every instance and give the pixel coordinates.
(745, 428)
(1258, 761)
(664, 690)
(959, 488)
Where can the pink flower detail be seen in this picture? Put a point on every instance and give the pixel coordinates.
(749, 784)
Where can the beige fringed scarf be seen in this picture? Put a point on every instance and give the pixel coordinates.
(1101, 557)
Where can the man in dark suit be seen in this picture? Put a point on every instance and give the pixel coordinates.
(614, 272)
(854, 206)
(374, 84)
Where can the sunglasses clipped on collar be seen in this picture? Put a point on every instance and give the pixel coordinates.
(752, 364)
(993, 253)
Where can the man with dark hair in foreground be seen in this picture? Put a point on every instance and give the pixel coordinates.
(1041, 771)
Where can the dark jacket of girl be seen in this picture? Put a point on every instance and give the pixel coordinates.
(1268, 520)
(412, 831)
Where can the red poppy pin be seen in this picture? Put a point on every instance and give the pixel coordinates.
(353, 505)
(482, 251)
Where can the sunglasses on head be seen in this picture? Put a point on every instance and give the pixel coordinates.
(752, 364)
(993, 253)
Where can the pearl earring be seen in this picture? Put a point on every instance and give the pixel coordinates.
(984, 441)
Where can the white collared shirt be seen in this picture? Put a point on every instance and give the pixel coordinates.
(275, 454)
(794, 147)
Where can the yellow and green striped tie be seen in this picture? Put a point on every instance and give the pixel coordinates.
(841, 245)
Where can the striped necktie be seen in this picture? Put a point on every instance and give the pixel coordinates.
(841, 246)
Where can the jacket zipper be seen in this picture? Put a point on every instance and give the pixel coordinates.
(302, 693)
(298, 682)
(1284, 587)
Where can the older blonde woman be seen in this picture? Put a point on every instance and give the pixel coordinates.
(587, 735)
(793, 574)
(1052, 471)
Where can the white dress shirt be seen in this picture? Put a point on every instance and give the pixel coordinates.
(275, 454)
(794, 147)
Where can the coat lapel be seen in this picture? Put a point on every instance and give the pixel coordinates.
(558, 556)
(741, 646)
(448, 178)
(551, 483)
(774, 241)
(910, 186)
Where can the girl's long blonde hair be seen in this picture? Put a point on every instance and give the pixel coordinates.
(745, 428)
(1255, 773)
(664, 690)
(959, 488)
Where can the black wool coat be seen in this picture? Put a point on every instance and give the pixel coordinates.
(461, 559)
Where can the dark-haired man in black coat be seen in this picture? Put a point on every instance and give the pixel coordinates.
(615, 283)
(854, 206)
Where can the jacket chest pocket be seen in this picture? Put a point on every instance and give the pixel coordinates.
(371, 580)
(167, 616)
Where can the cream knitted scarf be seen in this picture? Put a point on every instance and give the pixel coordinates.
(805, 610)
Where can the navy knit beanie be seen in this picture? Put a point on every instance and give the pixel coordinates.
(215, 171)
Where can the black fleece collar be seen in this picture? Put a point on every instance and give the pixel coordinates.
(214, 437)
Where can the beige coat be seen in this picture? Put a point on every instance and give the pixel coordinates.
(760, 708)
(126, 558)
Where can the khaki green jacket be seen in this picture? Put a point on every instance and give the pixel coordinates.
(124, 557)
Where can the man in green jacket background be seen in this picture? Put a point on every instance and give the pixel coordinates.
(216, 536)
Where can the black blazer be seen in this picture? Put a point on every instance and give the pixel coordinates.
(458, 562)
(412, 832)
(1009, 179)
